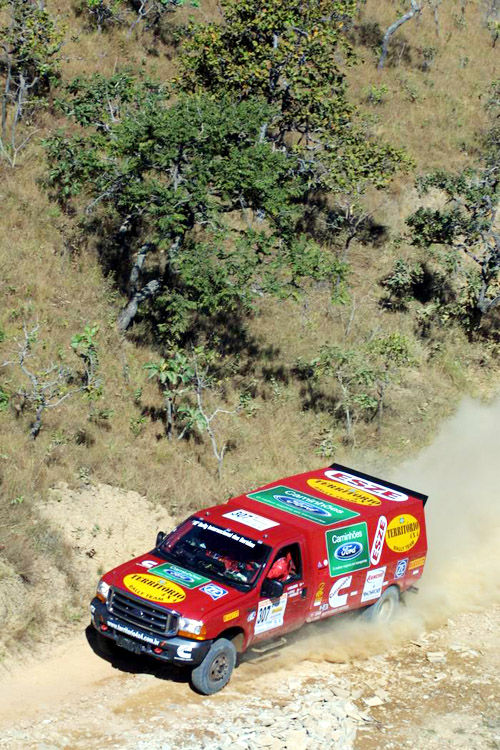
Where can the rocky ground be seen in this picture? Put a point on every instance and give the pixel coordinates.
(437, 691)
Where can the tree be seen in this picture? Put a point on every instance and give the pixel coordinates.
(415, 10)
(48, 387)
(30, 42)
(201, 210)
(363, 376)
(294, 56)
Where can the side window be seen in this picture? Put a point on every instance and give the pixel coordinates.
(287, 564)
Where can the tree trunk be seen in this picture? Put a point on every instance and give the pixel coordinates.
(130, 311)
(415, 10)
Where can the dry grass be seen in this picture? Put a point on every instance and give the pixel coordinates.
(43, 281)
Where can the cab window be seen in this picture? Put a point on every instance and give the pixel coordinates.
(287, 564)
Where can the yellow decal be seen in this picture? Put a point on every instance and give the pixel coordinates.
(402, 533)
(343, 492)
(231, 615)
(319, 595)
(154, 588)
(416, 563)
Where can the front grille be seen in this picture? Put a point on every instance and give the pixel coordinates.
(141, 614)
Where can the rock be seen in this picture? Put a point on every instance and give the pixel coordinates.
(436, 657)
(373, 700)
(296, 740)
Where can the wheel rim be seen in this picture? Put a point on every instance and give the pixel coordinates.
(219, 668)
(386, 610)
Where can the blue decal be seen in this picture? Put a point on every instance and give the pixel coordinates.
(303, 504)
(349, 551)
(214, 591)
(401, 568)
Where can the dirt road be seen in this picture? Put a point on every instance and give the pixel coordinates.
(431, 682)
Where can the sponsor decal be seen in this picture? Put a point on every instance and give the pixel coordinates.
(185, 651)
(323, 607)
(378, 540)
(418, 562)
(319, 594)
(224, 532)
(343, 492)
(231, 615)
(133, 633)
(186, 578)
(402, 533)
(251, 519)
(92, 609)
(148, 563)
(305, 506)
(401, 568)
(214, 591)
(154, 588)
(348, 549)
(385, 493)
(373, 584)
(335, 598)
(251, 616)
(270, 614)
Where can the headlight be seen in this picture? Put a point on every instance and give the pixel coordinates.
(191, 627)
(102, 590)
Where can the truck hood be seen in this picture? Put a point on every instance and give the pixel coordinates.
(162, 583)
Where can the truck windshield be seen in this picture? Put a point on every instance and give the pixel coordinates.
(214, 551)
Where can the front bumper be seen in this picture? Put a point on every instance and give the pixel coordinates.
(175, 650)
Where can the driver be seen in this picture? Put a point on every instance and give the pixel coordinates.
(282, 568)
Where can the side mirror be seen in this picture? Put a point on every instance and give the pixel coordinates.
(272, 589)
(160, 537)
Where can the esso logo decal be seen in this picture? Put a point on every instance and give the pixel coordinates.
(349, 551)
(302, 504)
(386, 493)
(378, 540)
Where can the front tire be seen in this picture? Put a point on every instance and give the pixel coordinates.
(384, 608)
(215, 670)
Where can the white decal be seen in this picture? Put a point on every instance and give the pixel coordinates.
(365, 484)
(373, 584)
(184, 652)
(251, 519)
(335, 599)
(378, 540)
(251, 616)
(270, 614)
(149, 563)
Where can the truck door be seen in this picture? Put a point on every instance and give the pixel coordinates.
(288, 612)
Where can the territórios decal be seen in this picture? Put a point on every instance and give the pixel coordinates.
(251, 519)
(305, 506)
(335, 598)
(373, 584)
(343, 492)
(214, 591)
(186, 578)
(401, 568)
(231, 615)
(385, 493)
(270, 614)
(154, 588)
(417, 562)
(348, 549)
(378, 540)
(402, 533)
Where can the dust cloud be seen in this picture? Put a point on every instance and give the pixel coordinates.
(460, 473)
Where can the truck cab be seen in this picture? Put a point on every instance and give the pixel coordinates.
(262, 565)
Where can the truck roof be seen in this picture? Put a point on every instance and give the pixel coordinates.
(309, 502)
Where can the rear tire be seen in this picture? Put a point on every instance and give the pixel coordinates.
(384, 608)
(215, 670)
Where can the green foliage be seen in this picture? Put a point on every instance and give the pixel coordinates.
(293, 56)
(215, 204)
(376, 94)
(102, 14)
(4, 399)
(401, 283)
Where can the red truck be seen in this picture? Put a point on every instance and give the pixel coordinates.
(261, 565)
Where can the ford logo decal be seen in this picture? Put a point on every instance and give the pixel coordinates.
(303, 505)
(181, 576)
(348, 551)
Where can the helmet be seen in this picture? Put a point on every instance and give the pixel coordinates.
(279, 569)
